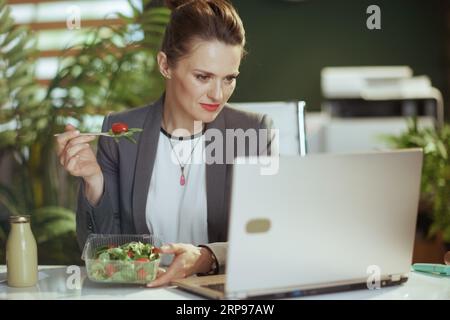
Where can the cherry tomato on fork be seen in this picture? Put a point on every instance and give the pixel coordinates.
(119, 127)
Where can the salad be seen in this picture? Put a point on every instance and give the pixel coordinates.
(121, 130)
(132, 262)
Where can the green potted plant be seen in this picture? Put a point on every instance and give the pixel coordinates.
(435, 186)
(111, 71)
(24, 118)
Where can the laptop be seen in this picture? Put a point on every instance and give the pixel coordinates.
(322, 223)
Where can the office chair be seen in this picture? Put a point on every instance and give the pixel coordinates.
(288, 118)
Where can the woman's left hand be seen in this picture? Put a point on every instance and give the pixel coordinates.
(188, 260)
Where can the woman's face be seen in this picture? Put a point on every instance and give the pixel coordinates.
(201, 82)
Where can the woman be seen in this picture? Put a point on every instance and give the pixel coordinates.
(166, 184)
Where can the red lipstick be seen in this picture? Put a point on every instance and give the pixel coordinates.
(210, 107)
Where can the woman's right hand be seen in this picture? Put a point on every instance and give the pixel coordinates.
(77, 157)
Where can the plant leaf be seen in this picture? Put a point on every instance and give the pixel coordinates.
(9, 200)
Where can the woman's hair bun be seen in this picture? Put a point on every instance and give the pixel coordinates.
(173, 4)
(207, 20)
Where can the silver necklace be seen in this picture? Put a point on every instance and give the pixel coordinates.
(182, 166)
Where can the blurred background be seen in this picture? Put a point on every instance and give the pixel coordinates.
(369, 79)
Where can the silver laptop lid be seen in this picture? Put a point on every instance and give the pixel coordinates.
(333, 219)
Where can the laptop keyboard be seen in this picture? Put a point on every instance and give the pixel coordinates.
(216, 287)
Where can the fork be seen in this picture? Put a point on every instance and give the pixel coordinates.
(105, 134)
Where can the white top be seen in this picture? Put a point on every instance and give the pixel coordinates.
(177, 213)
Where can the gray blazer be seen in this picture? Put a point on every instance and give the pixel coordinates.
(127, 170)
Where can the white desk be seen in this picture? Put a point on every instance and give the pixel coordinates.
(52, 285)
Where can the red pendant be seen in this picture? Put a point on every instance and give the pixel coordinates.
(182, 180)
